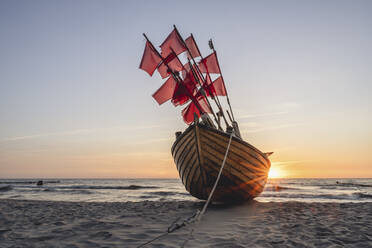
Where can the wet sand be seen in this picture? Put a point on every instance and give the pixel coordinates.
(81, 224)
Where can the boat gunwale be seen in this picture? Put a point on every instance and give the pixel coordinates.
(221, 133)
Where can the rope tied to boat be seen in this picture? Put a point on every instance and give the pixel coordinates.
(196, 217)
(212, 191)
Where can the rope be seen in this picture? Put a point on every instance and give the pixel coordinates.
(173, 227)
(211, 193)
(218, 178)
(198, 214)
(152, 240)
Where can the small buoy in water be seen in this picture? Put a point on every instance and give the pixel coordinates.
(39, 183)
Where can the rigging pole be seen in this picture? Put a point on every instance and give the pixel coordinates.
(218, 64)
(202, 76)
(215, 98)
(196, 78)
(234, 123)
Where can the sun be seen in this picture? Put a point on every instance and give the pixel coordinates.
(275, 173)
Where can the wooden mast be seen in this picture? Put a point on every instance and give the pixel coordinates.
(215, 98)
(197, 80)
(201, 75)
(218, 64)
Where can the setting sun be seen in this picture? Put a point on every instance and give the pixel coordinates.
(275, 173)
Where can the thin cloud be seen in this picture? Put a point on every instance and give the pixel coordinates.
(279, 109)
(285, 163)
(150, 141)
(78, 131)
(72, 132)
(269, 128)
(263, 114)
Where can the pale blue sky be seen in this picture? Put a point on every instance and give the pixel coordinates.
(73, 102)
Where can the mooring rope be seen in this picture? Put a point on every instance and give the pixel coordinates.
(199, 214)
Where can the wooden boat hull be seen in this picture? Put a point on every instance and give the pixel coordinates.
(198, 153)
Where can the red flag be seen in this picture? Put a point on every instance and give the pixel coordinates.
(173, 41)
(215, 88)
(185, 90)
(209, 64)
(187, 70)
(174, 64)
(163, 70)
(191, 44)
(219, 87)
(180, 95)
(188, 112)
(209, 90)
(150, 59)
(208, 79)
(190, 82)
(166, 91)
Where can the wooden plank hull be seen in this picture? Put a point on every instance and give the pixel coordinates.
(198, 153)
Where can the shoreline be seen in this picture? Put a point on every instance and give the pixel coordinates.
(29, 223)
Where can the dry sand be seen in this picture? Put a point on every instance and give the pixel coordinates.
(290, 224)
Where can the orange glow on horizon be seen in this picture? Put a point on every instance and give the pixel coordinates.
(275, 172)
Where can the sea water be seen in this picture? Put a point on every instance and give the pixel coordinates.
(123, 190)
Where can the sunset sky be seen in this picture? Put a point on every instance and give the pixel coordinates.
(73, 102)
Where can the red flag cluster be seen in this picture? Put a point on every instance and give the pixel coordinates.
(170, 63)
(182, 90)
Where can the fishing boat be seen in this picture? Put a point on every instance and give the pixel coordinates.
(210, 153)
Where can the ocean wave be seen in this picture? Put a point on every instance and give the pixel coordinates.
(54, 190)
(362, 195)
(164, 193)
(339, 185)
(87, 187)
(29, 182)
(277, 188)
(69, 191)
(313, 196)
(130, 187)
(354, 185)
(6, 188)
(145, 196)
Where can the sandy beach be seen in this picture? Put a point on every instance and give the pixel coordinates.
(80, 224)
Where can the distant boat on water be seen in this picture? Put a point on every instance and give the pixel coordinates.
(205, 145)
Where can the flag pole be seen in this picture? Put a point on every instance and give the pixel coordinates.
(215, 98)
(218, 64)
(196, 78)
(175, 76)
(210, 93)
(203, 93)
(201, 56)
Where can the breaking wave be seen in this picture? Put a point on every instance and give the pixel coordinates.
(6, 188)
(353, 196)
(362, 195)
(29, 182)
(130, 187)
(277, 188)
